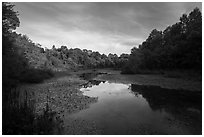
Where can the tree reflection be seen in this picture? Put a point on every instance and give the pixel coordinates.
(183, 105)
(92, 83)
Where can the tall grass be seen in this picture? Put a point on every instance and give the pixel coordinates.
(19, 117)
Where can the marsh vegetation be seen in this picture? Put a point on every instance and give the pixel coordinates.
(156, 89)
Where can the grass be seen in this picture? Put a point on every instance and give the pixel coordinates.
(19, 117)
(192, 83)
(174, 73)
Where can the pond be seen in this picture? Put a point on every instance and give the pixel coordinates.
(137, 109)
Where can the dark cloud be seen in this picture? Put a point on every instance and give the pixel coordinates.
(97, 26)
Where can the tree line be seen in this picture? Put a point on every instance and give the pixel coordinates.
(64, 58)
(179, 46)
(26, 61)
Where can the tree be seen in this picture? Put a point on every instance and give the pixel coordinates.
(10, 20)
(178, 47)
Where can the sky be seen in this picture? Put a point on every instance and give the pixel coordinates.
(104, 27)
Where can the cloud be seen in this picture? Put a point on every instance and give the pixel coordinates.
(104, 27)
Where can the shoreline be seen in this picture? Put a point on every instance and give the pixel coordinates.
(65, 97)
(151, 80)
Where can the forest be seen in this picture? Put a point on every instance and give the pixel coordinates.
(178, 47)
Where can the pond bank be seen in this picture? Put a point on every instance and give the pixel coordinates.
(63, 96)
(155, 80)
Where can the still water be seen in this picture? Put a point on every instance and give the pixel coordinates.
(137, 109)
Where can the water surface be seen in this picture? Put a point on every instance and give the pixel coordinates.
(137, 109)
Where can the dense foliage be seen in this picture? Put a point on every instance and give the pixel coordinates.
(18, 117)
(26, 61)
(63, 59)
(177, 47)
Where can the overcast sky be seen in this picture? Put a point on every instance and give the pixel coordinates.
(103, 27)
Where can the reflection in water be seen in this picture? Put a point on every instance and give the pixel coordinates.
(91, 83)
(183, 105)
(160, 98)
(136, 109)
